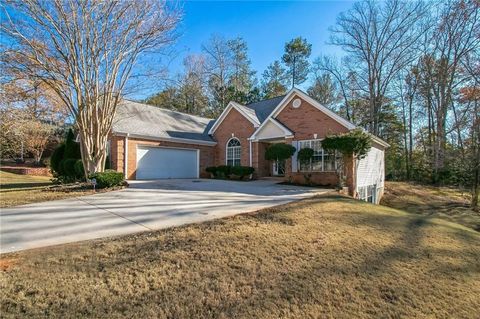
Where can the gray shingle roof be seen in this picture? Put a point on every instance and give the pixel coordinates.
(151, 121)
(263, 108)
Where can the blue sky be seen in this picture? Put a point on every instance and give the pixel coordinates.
(265, 25)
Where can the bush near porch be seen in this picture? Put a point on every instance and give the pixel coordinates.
(230, 172)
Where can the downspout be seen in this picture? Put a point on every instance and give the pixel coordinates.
(125, 157)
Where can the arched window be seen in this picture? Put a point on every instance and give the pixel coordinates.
(234, 151)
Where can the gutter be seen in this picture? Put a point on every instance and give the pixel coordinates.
(167, 139)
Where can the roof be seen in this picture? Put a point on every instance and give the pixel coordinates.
(263, 109)
(150, 121)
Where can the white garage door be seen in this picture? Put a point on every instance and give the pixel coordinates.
(159, 162)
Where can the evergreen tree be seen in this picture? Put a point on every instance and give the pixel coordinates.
(295, 58)
(274, 80)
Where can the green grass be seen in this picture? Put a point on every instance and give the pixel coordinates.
(325, 257)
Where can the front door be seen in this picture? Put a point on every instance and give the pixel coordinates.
(279, 168)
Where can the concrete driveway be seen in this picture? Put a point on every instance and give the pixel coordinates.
(145, 205)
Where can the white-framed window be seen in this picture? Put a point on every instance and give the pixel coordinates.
(234, 152)
(368, 193)
(322, 161)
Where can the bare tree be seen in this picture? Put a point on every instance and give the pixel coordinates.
(451, 42)
(85, 52)
(381, 39)
(219, 70)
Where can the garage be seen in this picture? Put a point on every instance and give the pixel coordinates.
(165, 162)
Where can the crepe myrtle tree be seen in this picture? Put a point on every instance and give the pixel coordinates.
(85, 52)
(355, 144)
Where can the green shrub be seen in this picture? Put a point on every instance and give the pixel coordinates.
(212, 170)
(68, 167)
(72, 148)
(109, 178)
(224, 171)
(279, 152)
(57, 157)
(79, 171)
(305, 154)
(242, 171)
(107, 163)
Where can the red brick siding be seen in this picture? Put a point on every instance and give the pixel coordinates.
(34, 171)
(117, 149)
(308, 120)
(242, 129)
(261, 165)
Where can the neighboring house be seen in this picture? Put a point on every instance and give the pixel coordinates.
(149, 143)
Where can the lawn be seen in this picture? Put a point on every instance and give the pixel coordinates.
(325, 257)
(17, 189)
(441, 202)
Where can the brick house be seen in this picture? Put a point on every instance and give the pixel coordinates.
(150, 143)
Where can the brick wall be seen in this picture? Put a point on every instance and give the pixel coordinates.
(34, 171)
(261, 165)
(242, 129)
(117, 149)
(308, 120)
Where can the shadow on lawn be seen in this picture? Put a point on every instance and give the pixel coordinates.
(16, 186)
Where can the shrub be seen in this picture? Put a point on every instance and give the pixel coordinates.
(57, 157)
(355, 142)
(279, 152)
(107, 163)
(68, 167)
(305, 154)
(223, 171)
(79, 171)
(242, 171)
(212, 170)
(72, 148)
(109, 178)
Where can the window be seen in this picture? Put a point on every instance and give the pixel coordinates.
(322, 161)
(368, 193)
(234, 151)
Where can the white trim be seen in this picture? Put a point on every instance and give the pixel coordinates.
(285, 130)
(378, 140)
(250, 152)
(175, 148)
(125, 157)
(230, 106)
(198, 163)
(226, 149)
(309, 100)
(167, 139)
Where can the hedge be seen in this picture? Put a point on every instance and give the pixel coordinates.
(225, 171)
(79, 171)
(109, 178)
(57, 157)
(242, 171)
(68, 167)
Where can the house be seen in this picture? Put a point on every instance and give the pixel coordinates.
(152, 143)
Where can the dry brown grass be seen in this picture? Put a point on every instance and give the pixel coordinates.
(17, 189)
(440, 202)
(326, 257)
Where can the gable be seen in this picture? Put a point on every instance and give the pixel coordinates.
(233, 123)
(241, 109)
(307, 120)
(272, 129)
